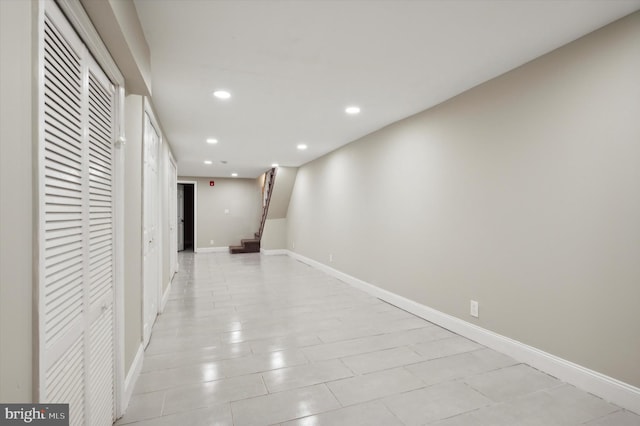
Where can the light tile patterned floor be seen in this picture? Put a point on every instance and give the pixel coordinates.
(260, 340)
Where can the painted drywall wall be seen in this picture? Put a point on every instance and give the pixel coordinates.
(281, 195)
(17, 135)
(274, 235)
(119, 27)
(239, 197)
(134, 119)
(522, 193)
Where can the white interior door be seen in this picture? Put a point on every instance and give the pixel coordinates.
(76, 257)
(180, 217)
(101, 354)
(173, 219)
(151, 209)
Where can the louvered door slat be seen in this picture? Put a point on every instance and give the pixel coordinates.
(101, 127)
(62, 250)
(100, 338)
(61, 239)
(65, 379)
(100, 168)
(64, 50)
(68, 145)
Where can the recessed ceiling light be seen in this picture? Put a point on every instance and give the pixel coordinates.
(234, 175)
(222, 94)
(208, 162)
(275, 165)
(212, 141)
(302, 147)
(353, 110)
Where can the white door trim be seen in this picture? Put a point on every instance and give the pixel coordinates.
(155, 209)
(173, 211)
(121, 398)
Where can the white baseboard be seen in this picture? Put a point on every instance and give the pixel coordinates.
(165, 297)
(608, 388)
(211, 249)
(132, 377)
(273, 252)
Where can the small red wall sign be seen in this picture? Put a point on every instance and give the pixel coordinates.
(211, 183)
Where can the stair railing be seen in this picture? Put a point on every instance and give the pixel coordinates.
(268, 187)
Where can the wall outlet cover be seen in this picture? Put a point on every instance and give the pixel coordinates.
(474, 309)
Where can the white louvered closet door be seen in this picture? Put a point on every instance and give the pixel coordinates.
(76, 315)
(100, 238)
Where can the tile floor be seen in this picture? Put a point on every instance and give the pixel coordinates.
(261, 340)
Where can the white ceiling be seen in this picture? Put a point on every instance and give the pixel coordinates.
(293, 66)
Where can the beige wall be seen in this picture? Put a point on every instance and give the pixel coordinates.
(281, 195)
(274, 236)
(17, 214)
(119, 27)
(134, 118)
(240, 196)
(17, 27)
(522, 193)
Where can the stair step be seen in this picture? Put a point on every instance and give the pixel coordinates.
(241, 249)
(249, 245)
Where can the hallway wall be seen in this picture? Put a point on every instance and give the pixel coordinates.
(274, 235)
(134, 130)
(241, 197)
(18, 209)
(522, 193)
(133, 285)
(17, 137)
(281, 195)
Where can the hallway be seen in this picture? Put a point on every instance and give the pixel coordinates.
(257, 340)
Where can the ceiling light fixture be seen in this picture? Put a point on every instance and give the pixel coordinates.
(212, 141)
(234, 175)
(302, 147)
(208, 162)
(222, 94)
(352, 110)
(275, 165)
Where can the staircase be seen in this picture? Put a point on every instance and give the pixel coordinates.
(252, 245)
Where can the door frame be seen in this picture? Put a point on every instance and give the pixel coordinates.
(195, 210)
(79, 20)
(173, 204)
(148, 110)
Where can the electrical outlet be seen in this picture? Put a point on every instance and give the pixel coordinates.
(211, 242)
(293, 244)
(330, 257)
(473, 309)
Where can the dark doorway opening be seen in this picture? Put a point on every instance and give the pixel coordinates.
(188, 216)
